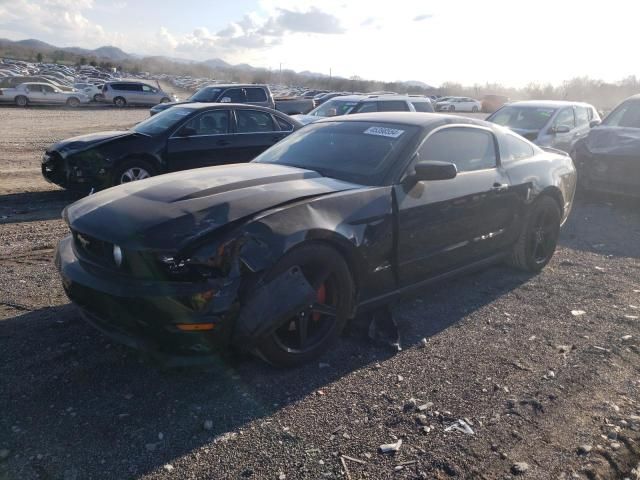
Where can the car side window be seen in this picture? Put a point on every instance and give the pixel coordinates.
(236, 95)
(582, 116)
(146, 89)
(365, 107)
(254, 121)
(565, 118)
(513, 148)
(47, 89)
(468, 148)
(215, 122)
(284, 126)
(256, 95)
(393, 106)
(422, 106)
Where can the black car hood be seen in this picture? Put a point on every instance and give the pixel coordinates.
(613, 141)
(84, 142)
(169, 211)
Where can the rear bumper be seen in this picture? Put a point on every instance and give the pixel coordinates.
(145, 314)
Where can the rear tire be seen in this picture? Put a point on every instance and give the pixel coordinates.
(131, 171)
(452, 108)
(327, 271)
(120, 102)
(537, 242)
(474, 109)
(21, 101)
(98, 97)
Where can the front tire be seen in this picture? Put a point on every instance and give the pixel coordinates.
(120, 102)
(73, 102)
(21, 101)
(165, 100)
(474, 109)
(98, 97)
(132, 171)
(452, 108)
(303, 338)
(537, 242)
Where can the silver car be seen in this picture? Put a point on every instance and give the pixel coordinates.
(122, 94)
(42, 94)
(548, 123)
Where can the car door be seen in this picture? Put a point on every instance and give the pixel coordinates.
(446, 224)
(582, 124)
(53, 96)
(204, 140)
(35, 93)
(256, 131)
(257, 96)
(135, 94)
(615, 148)
(562, 139)
(234, 95)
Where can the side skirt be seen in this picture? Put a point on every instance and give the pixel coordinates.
(412, 289)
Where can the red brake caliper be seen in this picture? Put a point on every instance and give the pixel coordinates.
(321, 298)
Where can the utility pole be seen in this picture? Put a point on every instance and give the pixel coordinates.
(280, 73)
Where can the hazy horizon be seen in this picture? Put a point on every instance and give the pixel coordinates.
(498, 41)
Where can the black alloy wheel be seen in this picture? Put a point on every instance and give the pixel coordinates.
(306, 336)
(538, 240)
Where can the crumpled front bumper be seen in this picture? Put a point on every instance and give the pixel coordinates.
(145, 314)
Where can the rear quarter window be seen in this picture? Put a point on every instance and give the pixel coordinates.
(393, 106)
(422, 106)
(514, 148)
(256, 95)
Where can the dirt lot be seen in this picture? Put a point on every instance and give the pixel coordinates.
(503, 352)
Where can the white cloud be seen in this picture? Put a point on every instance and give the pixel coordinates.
(62, 20)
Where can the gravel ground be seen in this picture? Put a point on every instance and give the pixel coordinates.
(546, 392)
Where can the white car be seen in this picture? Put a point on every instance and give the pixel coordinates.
(94, 92)
(42, 94)
(459, 104)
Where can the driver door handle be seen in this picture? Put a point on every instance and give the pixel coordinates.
(500, 187)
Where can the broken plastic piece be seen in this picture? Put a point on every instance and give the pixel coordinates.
(272, 304)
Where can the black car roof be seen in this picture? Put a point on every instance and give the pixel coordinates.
(419, 119)
(237, 106)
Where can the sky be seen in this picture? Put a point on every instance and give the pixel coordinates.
(512, 42)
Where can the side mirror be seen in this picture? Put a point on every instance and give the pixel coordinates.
(332, 112)
(187, 132)
(561, 129)
(225, 100)
(594, 123)
(431, 170)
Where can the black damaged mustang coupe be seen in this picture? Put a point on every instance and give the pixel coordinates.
(346, 214)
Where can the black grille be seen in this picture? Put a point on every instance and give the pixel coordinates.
(93, 249)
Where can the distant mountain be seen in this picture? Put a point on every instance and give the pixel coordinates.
(216, 63)
(417, 83)
(32, 43)
(106, 53)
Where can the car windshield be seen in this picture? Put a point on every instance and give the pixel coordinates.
(207, 94)
(162, 122)
(525, 118)
(341, 107)
(359, 152)
(627, 115)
